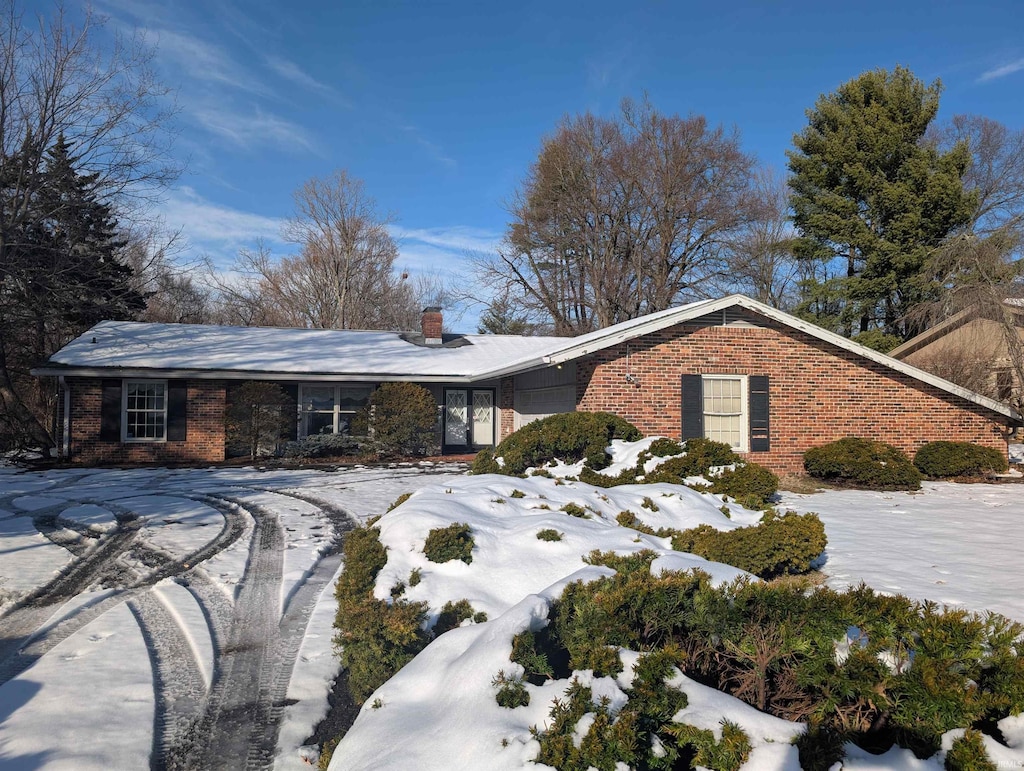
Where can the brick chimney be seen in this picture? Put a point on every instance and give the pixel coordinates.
(431, 323)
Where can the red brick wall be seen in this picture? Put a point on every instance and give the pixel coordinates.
(205, 428)
(818, 392)
(506, 407)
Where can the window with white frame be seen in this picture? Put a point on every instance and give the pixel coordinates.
(725, 409)
(329, 409)
(145, 410)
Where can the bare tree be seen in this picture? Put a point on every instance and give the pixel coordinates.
(979, 275)
(618, 218)
(996, 171)
(66, 102)
(343, 277)
(760, 257)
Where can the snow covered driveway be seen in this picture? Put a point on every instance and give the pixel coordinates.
(169, 619)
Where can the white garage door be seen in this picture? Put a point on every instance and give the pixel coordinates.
(536, 403)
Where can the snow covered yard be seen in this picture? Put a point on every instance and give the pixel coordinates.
(213, 575)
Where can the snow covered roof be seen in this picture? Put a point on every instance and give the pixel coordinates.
(135, 349)
(194, 350)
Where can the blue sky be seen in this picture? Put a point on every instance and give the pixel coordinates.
(440, 107)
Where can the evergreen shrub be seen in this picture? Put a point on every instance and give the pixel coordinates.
(945, 460)
(855, 666)
(701, 455)
(402, 420)
(376, 637)
(862, 463)
(568, 437)
(258, 417)
(454, 542)
(749, 483)
(778, 545)
(452, 615)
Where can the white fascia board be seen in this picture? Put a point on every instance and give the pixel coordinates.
(611, 336)
(202, 374)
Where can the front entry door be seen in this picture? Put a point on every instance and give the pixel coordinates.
(468, 418)
(456, 425)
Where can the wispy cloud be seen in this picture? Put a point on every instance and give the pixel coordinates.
(1001, 71)
(457, 239)
(202, 61)
(252, 127)
(215, 230)
(289, 70)
(433, 149)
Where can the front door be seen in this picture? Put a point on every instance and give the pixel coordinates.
(468, 418)
(456, 425)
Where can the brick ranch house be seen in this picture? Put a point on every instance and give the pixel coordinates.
(731, 369)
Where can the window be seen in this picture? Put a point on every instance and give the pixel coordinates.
(725, 410)
(329, 409)
(145, 410)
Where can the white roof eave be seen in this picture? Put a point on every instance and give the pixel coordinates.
(612, 336)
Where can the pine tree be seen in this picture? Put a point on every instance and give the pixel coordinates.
(871, 199)
(59, 271)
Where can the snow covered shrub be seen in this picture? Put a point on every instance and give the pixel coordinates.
(863, 463)
(749, 483)
(636, 737)
(944, 460)
(402, 420)
(569, 437)
(399, 501)
(701, 455)
(662, 448)
(727, 755)
(548, 534)
(511, 691)
(452, 615)
(258, 417)
(778, 545)
(376, 637)
(454, 542)
(854, 666)
(324, 446)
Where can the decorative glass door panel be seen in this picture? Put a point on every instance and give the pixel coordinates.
(483, 417)
(456, 418)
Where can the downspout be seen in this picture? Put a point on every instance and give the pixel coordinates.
(65, 443)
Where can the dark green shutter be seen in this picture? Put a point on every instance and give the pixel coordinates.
(110, 411)
(177, 405)
(692, 407)
(759, 435)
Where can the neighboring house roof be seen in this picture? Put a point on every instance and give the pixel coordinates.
(943, 328)
(194, 350)
(186, 350)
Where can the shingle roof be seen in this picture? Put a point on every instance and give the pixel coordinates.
(242, 351)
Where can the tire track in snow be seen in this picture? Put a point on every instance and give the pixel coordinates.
(238, 721)
(177, 678)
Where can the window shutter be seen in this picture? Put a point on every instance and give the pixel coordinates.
(110, 411)
(692, 407)
(759, 435)
(177, 399)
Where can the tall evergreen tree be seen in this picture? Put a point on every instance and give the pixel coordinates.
(59, 271)
(871, 200)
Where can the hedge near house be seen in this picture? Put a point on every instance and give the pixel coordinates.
(946, 460)
(402, 420)
(863, 463)
(258, 417)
